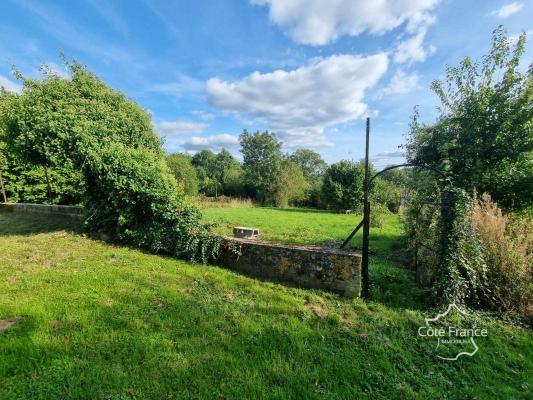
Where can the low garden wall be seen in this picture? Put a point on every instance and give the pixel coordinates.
(306, 266)
(71, 211)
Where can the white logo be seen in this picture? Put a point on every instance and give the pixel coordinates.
(455, 331)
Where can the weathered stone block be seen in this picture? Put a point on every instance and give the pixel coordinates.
(306, 266)
(245, 232)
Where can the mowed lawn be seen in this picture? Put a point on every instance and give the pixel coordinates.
(306, 226)
(108, 322)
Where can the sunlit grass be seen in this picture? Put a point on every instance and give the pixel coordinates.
(108, 322)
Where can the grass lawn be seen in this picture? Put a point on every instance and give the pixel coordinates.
(306, 226)
(101, 321)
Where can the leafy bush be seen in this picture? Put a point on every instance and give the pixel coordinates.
(343, 185)
(469, 252)
(387, 194)
(131, 195)
(462, 272)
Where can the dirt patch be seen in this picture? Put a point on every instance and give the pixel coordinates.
(318, 310)
(5, 324)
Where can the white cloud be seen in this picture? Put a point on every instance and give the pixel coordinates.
(400, 83)
(9, 85)
(301, 103)
(183, 84)
(514, 38)
(319, 22)
(214, 143)
(203, 115)
(507, 10)
(169, 128)
(412, 49)
(387, 158)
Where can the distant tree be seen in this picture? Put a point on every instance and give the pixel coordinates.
(234, 182)
(313, 168)
(205, 163)
(262, 159)
(483, 136)
(291, 185)
(386, 193)
(213, 171)
(343, 185)
(180, 165)
(310, 162)
(226, 170)
(398, 176)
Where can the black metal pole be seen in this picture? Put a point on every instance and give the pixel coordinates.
(366, 220)
(343, 245)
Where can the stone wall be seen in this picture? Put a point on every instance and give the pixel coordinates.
(71, 211)
(306, 266)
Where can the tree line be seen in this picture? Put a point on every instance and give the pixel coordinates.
(274, 178)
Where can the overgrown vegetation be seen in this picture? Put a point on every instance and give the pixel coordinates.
(507, 246)
(482, 140)
(129, 195)
(483, 136)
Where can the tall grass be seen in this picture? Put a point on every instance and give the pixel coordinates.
(507, 249)
(224, 202)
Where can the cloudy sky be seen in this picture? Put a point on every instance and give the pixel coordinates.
(309, 70)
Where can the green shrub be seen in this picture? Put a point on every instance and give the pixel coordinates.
(387, 194)
(462, 272)
(131, 196)
(343, 186)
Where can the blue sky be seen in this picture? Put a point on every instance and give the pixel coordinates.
(309, 70)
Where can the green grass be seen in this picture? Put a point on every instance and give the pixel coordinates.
(306, 226)
(110, 322)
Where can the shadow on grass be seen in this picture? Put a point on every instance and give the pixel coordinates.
(12, 223)
(299, 210)
(391, 285)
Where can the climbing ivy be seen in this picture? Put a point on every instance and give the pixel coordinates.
(461, 274)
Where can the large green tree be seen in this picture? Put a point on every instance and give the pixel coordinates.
(291, 185)
(262, 162)
(483, 136)
(343, 185)
(131, 195)
(311, 163)
(313, 167)
(217, 173)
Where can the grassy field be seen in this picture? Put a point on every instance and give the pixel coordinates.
(307, 226)
(107, 322)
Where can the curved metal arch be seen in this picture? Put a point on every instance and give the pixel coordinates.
(414, 165)
(350, 237)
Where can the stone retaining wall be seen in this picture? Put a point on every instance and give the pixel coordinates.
(71, 211)
(306, 266)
